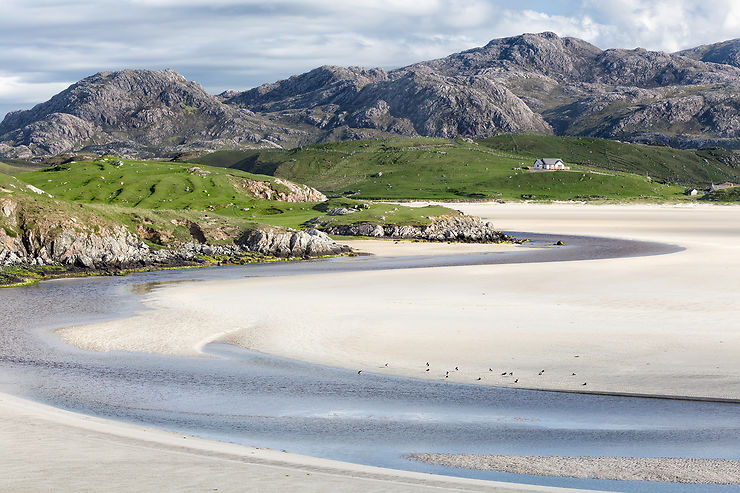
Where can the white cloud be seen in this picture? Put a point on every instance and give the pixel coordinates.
(668, 25)
(14, 88)
(242, 43)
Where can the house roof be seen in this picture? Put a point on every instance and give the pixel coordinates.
(550, 160)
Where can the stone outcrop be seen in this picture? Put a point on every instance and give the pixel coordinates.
(469, 229)
(281, 243)
(278, 189)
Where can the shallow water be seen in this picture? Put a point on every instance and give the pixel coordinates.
(246, 397)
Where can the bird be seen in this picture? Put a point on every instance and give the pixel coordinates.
(360, 371)
(479, 378)
(516, 381)
(386, 365)
(503, 374)
(427, 363)
(540, 373)
(584, 383)
(447, 376)
(490, 369)
(573, 374)
(447, 373)
(427, 369)
(511, 373)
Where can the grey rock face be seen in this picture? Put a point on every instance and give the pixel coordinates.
(467, 229)
(282, 243)
(726, 53)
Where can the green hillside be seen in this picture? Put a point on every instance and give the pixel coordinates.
(687, 167)
(730, 195)
(165, 189)
(438, 169)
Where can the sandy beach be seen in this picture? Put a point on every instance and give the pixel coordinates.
(665, 325)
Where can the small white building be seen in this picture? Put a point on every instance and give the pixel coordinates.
(550, 164)
(692, 192)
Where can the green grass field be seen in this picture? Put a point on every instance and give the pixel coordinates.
(407, 169)
(159, 193)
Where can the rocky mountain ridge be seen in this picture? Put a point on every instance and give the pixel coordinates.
(137, 110)
(532, 83)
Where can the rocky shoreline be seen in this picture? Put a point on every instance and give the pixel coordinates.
(466, 229)
(41, 244)
(32, 256)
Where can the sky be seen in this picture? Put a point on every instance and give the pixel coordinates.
(46, 45)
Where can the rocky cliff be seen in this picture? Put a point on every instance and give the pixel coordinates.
(533, 83)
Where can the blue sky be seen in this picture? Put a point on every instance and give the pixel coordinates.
(45, 45)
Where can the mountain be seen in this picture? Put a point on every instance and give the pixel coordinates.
(532, 83)
(136, 110)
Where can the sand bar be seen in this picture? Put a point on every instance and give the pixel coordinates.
(662, 325)
(667, 469)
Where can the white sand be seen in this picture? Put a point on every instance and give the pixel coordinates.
(667, 469)
(667, 325)
(406, 248)
(50, 450)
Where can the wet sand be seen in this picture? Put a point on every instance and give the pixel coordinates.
(47, 449)
(673, 470)
(666, 325)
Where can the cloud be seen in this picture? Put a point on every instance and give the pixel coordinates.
(242, 43)
(668, 25)
(17, 88)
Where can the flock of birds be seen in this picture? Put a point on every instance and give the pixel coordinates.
(428, 368)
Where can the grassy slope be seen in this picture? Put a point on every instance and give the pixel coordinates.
(437, 169)
(687, 167)
(726, 195)
(158, 192)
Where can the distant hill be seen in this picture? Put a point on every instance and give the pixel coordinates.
(528, 84)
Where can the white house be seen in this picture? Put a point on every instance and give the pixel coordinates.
(692, 192)
(550, 164)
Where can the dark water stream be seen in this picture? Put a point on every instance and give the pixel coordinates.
(254, 399)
